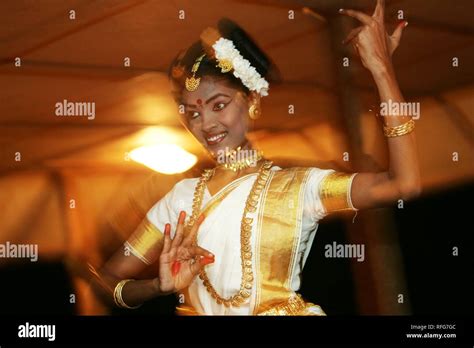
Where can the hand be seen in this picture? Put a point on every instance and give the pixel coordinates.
(371, 41)
(181, 259)
(209, 36)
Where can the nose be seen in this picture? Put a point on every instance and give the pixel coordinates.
(208, 123)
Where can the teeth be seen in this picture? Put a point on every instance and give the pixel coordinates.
(216, 137)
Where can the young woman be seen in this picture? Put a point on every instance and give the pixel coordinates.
(234, 241)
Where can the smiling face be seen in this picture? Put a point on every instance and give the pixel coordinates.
(216, 114)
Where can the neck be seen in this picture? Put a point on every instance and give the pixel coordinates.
(242, 159)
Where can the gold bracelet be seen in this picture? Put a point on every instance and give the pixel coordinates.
(399, 130)
(118, 295)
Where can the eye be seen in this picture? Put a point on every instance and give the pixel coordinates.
(219, 106)
(193, 114)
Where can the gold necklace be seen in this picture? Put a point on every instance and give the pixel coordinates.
(245, 234)
(232, 162)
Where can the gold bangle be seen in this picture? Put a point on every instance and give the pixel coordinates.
(118, 295)
(399, 130)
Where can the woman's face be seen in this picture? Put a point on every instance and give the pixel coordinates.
(216, 114)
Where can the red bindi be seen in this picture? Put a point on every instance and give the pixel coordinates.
(199, 101)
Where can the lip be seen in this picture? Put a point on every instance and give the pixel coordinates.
(216, 141)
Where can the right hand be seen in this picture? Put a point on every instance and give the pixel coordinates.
(209, 36)
(181, 259)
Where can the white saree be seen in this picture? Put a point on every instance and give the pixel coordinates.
(220, 234)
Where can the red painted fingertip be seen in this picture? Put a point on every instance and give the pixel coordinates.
(167, 229)
(207, 260)
(201, 218)
(182, 216)
(403, 23)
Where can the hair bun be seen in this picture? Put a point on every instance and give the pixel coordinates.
(248, 49)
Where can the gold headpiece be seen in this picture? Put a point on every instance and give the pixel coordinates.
(192, 83)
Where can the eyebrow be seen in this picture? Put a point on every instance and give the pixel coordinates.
(210, 99)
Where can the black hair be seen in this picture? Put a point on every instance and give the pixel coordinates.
(182, 64)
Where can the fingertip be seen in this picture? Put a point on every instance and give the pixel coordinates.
(167, 229)
(201, 218)
(403, 23)
(207, 260)
(182, 216)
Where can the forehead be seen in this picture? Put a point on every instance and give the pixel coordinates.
(208, 87)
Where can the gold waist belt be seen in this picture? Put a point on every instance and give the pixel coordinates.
(295, 305)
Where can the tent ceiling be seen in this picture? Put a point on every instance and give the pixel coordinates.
(82, 60)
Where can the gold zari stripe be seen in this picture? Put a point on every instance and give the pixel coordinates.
(279, 232)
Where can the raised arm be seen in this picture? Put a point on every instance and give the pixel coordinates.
(402, 179)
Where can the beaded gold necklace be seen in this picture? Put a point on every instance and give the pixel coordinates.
(245, 234)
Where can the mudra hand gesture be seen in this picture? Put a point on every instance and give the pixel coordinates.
(371, 41)
(181, 259)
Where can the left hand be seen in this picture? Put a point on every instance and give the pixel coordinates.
(371, 41)
(181, 259)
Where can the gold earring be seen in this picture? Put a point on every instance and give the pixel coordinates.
(254, 112)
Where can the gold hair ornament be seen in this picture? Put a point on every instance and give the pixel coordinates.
(225, 65)
(192, 83)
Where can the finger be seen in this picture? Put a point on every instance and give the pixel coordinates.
(356, 49)
(209, 36)
(178, 237)
(194, 230)
(197, 266)
(352, 35)
(380, 9)
(198, 251)
(366, 19)
(397, 33)
(167, 241)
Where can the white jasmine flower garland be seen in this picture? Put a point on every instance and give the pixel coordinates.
(225, 50)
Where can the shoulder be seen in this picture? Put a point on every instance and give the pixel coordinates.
(183, 187)
(312, 172)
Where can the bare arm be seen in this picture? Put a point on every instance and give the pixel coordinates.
(121, 267)
(402, 179)
(180, 260)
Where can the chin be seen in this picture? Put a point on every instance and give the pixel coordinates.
(218, 148)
